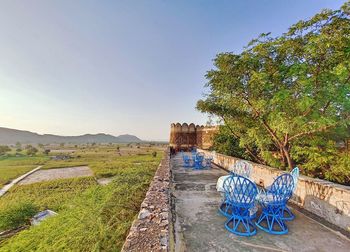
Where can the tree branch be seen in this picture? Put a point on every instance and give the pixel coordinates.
(310, 132)
(248, 149)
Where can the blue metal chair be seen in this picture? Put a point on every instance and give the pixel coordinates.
(198, 161)
(286, 213)
(273, 201)
(242, 168)
(186, 161)
(240, 194)
(208, 161)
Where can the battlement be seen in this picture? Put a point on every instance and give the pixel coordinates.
(185, 136)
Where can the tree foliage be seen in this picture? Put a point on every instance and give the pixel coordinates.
(4, 149)
(288, 97)
(226, 143)
(31, 150)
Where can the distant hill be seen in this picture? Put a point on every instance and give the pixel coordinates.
(11, 136)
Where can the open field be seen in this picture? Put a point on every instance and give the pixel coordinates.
(12, 167)
(90, 216)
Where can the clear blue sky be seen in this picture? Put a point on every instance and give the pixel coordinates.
(75, 67)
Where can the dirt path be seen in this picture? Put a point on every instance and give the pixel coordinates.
(59, 173)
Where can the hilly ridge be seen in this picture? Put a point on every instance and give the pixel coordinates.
(11, 136)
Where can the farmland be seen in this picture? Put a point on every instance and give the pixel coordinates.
(12, 167)
(90, 216)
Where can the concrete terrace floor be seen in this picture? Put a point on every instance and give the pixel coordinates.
(199, 227)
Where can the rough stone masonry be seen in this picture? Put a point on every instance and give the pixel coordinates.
(150, 231)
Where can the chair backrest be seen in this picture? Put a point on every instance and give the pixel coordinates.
(282, 188)
(242, 168)
(199, 156)
(240, 190)
(295, 175)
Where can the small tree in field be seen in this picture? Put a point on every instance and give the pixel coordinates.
(32, 151)
(4, 149)
(287, 99)
(47, 151)
(154, 154)
(18, 145)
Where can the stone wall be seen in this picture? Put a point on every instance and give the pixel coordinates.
(150, 231)
(325, 199)
(185, 136)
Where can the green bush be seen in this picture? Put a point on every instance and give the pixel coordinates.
(227, 144)
(17, 215)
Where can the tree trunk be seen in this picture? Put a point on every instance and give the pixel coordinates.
(288, 157)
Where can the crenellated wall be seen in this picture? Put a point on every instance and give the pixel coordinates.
(185, 136)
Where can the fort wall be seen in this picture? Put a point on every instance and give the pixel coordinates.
(186, 136)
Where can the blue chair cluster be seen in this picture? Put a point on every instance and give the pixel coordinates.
(241, 195)
(196, 160)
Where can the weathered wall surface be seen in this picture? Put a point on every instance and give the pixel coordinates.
(185, 136)
(327, 200)
(150, 231)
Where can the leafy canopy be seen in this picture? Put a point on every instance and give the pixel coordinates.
(287, 97)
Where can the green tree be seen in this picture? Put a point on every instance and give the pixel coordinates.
(47, 151)
(32, 151)
(28, 146)
(40, 145)
(226, 143)
(4, 149)
(18, 145)
(289, 96)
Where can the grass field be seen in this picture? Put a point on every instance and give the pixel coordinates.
(90, 217)
(12, 167)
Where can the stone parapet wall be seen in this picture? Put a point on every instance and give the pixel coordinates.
(325, 199)
(150, 231)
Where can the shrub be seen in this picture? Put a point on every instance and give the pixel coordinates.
(227, 144)
(4, 149)
(31, 151)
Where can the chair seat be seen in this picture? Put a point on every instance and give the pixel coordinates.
(265, 197)
(220, 183)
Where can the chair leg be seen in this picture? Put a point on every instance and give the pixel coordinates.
(271, 222)
(242, 226)
(225, 209)
(286, 214)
